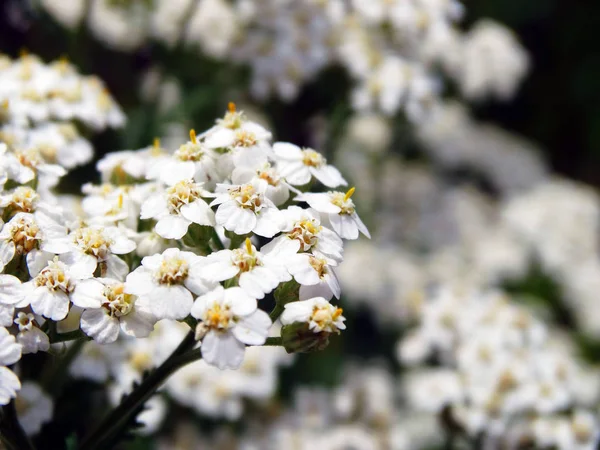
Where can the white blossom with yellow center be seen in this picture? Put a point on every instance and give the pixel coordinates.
(315, 275)
(339, 208)
(26, 235)
(110, 310)
(248, 142)
(49, 292)
(31, 338)
(20, 199)
(177, 207)
(298, 166)
(258, 273)
(231, 320)
(318, 313)
(164, 283)
(96, 247)
(277, 190)
(303, 228)
(245, 208)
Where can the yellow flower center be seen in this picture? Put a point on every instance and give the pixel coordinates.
(246, 258)
(312, 158)
(172, 271)
(219, 317)
(92, 241)
(118, 303)
(245, 138)
(23, 199)
(25, 235)
(182, 193)
(247, 197)
(305, 231)
(54, 277)
(343, 201)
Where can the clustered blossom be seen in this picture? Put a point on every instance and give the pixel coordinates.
(392, 49)
(150, 246)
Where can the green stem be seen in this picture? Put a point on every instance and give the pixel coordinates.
(217, 240)
(273, 342)
(13, 435)
(276, 312)
(114, 421)
(64, 337)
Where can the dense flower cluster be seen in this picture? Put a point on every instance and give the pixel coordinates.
(391, 49)
(200, 235)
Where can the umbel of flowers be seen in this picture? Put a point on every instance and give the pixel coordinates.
(199, 235)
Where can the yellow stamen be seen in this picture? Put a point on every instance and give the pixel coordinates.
(349, 194)
(4, 104)
(193, 136)
(120, 201)
(338, 312)
(231, 107)
(23, 52)
(156, 143)
(248, 245)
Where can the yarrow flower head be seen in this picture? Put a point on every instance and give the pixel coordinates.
(230, 321)
(317, 312)
(165, 282)
(177, 207)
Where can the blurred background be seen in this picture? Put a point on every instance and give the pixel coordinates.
(478, 184)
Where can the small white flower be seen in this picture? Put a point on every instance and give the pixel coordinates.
(165, 282)
(10, 353)
(25, 234)
(177, 208)
(318, 313)
(232, 321)
(30, 336)
(245, 208)
(96, 245)
(258, 273)
(277, 189)
(109, 309)
(50, 290)
(298, 166)
(303, 227)
(191, 160)
(248, 143)
(34, 407)
(339, 208)
(315, 275)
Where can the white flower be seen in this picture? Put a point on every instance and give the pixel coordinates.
(177, 208)
(318, 313)
(34, 407)
(30, 336)
(248, 143)
(339, 208)
(303, 227)
(109, 309)
(165, 282)
(298, 166)
(245, 208)
(231, 320)
(96, 245)
(277, 189)
(10, 353)
(50, 290)
(191, 160)
(25, 234)
(315, 275)
(258, 273)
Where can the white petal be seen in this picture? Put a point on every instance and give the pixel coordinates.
(241, 303)
(321, 289)
(172, 227)
(10, 351)
(329, 176)
(269, 223)
(97, 324)
(11, 291)
(361, 226)
(200, 305)
(217, 267)
(154, 206)
(287, 151)
(7, 314)
(198, 212)
(344, 226)
(253, 329)
(139, 282)
(9, 385)
(33, 341)
(297, 312)
(50, 304)
(236, 219)
(116, 268)
(220, 139)
(88, 294)
(169, 302)
(138, 323)
(7, 252)
(81, 266)
(223, 350)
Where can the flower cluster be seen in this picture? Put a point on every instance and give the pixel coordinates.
(199, 235)
(391, 49)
